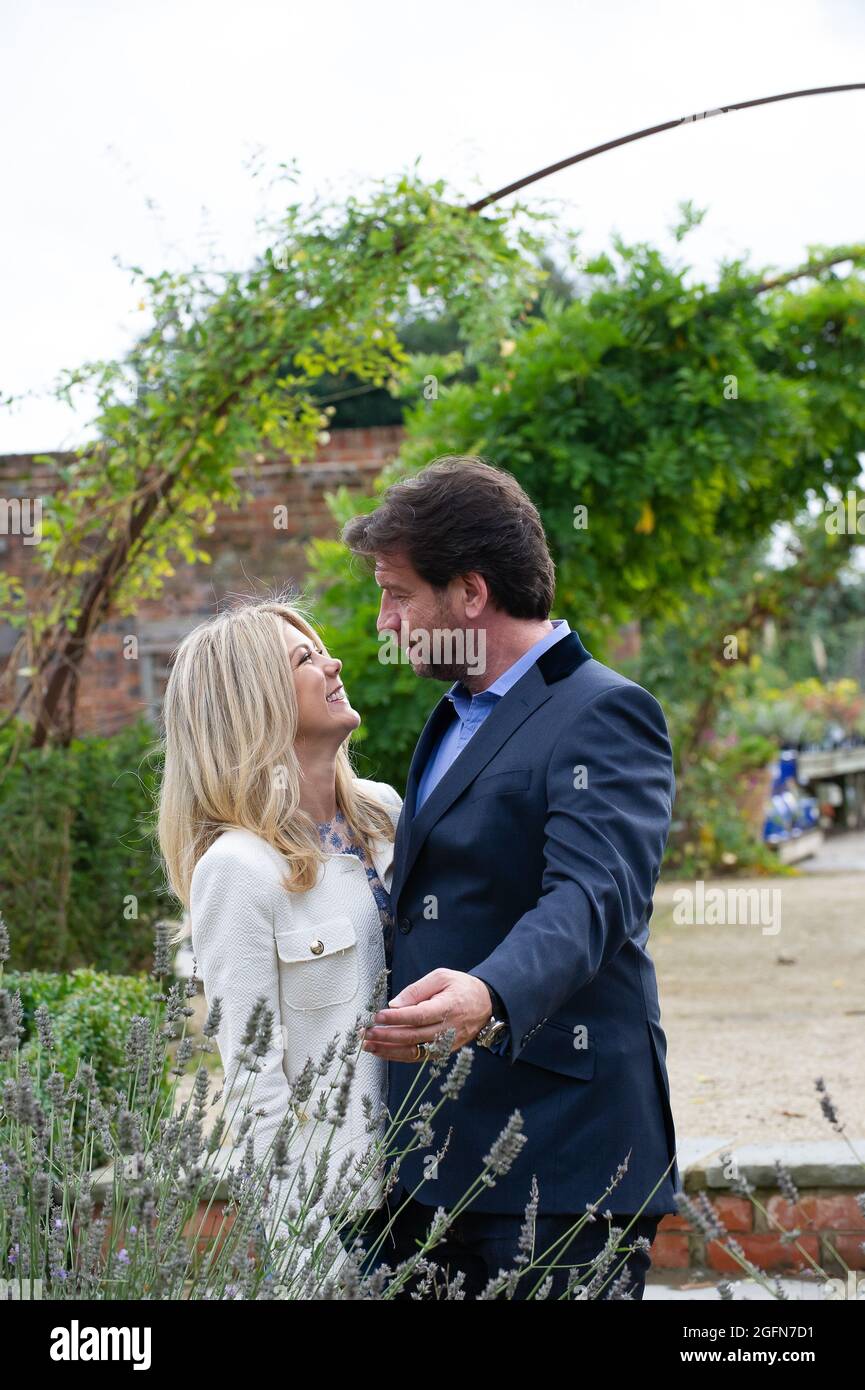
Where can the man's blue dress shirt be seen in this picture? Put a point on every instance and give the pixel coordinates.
(472, 710)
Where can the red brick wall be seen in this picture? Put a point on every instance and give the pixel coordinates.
(829, 1222)
(249, 554)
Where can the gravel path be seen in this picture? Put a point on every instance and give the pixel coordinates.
(752, 1018)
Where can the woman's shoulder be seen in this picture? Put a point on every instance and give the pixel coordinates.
(384, 793)
(240, 852)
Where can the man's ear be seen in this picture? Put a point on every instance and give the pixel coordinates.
(475, 593)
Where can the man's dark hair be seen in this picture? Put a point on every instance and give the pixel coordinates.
(460, 514)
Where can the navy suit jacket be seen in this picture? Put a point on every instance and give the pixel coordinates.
(532, 865)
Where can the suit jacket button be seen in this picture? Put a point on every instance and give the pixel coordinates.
(405, 925)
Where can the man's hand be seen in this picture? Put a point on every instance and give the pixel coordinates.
(443, 999)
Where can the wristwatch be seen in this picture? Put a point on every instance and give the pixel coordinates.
(491, 1033)
(496, 1027)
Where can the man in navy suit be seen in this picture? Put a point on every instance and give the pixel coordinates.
(535, 819)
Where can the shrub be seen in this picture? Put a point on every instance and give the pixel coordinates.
(79, 869)
(718, 812)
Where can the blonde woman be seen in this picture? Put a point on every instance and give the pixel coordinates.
(284, 860)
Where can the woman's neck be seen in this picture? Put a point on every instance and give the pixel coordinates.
(317, 782)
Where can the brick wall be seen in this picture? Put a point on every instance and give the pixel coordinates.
(249, 554)
(826, 1226)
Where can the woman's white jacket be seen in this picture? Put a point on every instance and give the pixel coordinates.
(314, 959)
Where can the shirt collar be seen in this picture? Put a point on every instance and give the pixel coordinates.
(462, 698)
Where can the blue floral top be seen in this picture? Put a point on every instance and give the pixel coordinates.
(336, 838)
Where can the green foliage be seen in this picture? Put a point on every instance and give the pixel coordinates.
(207, 383)
(763, 609)
(726, 672)
(800, 714)
(622, 403)
(229, 368)
(617, 402)
(433, 344)
(357, 404)
(717, 819)
(77, 852)
(91, 1012)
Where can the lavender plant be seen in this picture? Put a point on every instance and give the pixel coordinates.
(169, 1218)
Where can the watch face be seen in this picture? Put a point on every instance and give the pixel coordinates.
(491, 1033)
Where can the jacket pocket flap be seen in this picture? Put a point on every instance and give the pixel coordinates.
(316, 940)
(554, 1048)
(497, 783)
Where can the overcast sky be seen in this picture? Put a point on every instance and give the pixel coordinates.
(106, 106)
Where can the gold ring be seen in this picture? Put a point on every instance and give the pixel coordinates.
(417, 1052)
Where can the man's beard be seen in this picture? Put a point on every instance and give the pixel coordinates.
(447, 652)
(441, 672)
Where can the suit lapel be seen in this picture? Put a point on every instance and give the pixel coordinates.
(530, 692)
(441, 716)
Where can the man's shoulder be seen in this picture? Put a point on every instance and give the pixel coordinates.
(592, 678)
(595, 689)
(568, 668)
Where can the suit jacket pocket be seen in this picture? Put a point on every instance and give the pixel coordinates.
(318, 964)
(499, 783)
(555, 1047)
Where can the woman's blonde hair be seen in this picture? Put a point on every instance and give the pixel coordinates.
(230, 718)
